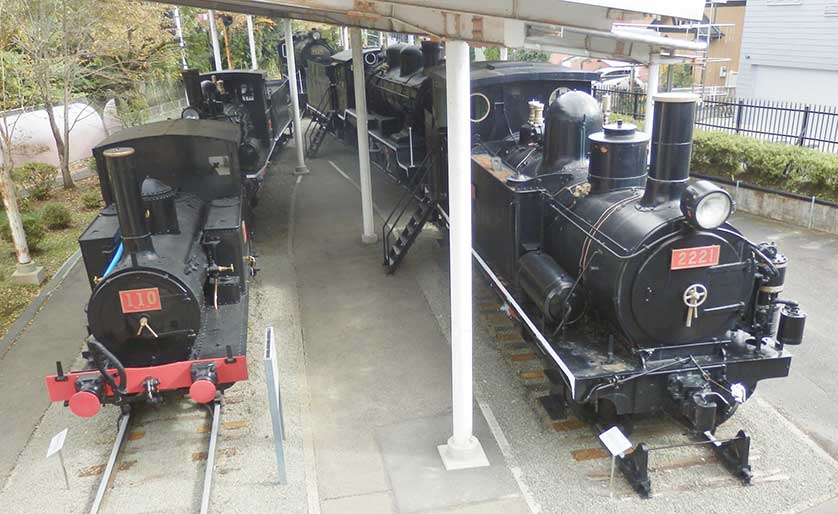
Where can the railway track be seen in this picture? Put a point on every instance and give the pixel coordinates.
(129, 429)
(676, 468)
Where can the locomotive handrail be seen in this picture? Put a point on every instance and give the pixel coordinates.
(403, 203)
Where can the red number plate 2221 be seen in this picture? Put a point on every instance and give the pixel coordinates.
(698, 257)
(140, 300)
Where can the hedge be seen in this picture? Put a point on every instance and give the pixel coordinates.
(776, 165)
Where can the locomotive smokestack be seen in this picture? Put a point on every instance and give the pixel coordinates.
(129, 204)
(431, 53)
(672, 142)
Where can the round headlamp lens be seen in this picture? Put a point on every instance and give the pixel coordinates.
(190, 113)
(713, 210)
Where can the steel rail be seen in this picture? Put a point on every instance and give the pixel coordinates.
(106, 476)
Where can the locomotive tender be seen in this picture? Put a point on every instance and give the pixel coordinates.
(168, 262)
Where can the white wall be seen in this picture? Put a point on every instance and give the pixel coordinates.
(33, 140)
(789, 51)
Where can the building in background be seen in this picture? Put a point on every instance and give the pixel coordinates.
(790, 51)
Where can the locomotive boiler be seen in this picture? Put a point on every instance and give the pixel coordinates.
(168, 262)
(635, 286)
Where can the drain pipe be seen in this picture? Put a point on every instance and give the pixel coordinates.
(463, 450)
(291, 73)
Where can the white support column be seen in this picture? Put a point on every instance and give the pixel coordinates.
(301, 168)
(651, 91)
(369, 235)
(504, 53)
(252, 42)
(463, 449)
(344, 38)
(479, 54)
(180, 42)
(216, 50)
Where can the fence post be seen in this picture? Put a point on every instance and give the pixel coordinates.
(803, 126)
(635, 114)
(739, 115)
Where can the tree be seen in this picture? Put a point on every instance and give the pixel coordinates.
(13, 95)
(87, 47)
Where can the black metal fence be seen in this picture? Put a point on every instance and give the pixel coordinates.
(813, 126)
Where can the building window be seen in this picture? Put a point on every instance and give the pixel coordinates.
(783, 2)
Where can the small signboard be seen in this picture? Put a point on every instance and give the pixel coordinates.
(615, 441)
(57, 443)
(275, 400)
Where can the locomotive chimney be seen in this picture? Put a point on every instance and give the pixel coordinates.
(569, 120)
(431, 53)
(129, 205)
(672, 142)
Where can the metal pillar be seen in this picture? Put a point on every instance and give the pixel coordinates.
(344, 38)
(216, 50)
(369, 235)
(651, 91)
(463, 449)
(504, 53)
(252, 42)
(301, 168)
(180, 42)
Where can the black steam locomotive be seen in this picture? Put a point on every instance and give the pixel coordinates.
(630, 280)
(633, 284)
(168, 262)
(258, 106)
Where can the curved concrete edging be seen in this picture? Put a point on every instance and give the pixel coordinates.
(31, 311)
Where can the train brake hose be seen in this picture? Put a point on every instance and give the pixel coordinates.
(98, 350)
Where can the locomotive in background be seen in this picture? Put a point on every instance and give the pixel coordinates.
(257, 106)
(168, 263)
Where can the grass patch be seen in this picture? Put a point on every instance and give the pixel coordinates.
(56, 247)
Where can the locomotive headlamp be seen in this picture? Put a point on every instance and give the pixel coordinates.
(190, 113)
(705, 205)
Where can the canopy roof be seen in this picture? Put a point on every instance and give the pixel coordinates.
(578, 27)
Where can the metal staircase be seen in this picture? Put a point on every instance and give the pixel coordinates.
(421, 203)
(321, 124)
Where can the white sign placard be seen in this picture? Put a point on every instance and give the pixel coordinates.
(57, 443)
(615, 441)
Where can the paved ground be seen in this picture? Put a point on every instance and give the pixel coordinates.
(366, 393)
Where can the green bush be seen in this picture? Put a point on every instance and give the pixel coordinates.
(37, 178)
(56, 216)
(32, 227)
(787, 167)
(91, 200)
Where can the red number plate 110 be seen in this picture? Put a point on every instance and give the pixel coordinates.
(140, 300)
(698, 257)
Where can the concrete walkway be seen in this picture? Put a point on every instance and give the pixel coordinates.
(379, 371)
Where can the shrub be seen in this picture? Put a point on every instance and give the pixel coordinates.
(37, 178)
(91, 200)
(56, 216)
(32, 227)
(787, 167)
